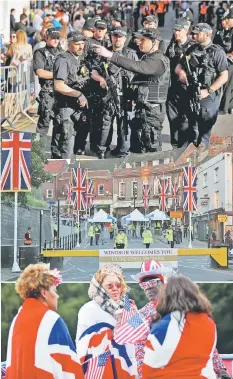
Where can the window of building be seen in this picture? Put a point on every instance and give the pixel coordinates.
(134, 190)
(121, 189)
(49, 193)
(128, 165)
(216, 174)
(100, 189)
(156, 186)
(205, 180)
(155, 163)
(166, 160)
(216, 199)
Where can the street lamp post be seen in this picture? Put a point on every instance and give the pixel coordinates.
(134, 195)
(40, 242)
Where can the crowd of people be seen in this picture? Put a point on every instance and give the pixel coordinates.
(173, 335)
(103, 62)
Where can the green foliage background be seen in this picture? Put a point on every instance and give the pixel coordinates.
(73, 295)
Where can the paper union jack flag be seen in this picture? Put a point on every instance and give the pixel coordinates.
(89, 193)
(69, 194)
(131, 331)
(146, 195)
(190, 189)
(96, 366)
(175, 189)
(163, 194)
(79, 188)
(16, 162)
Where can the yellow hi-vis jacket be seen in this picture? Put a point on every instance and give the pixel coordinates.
(121, 238)
(147, 236)
(91, 232)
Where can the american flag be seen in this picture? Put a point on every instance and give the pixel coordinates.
(190, 189)
(89, 193)
(96, 366)
(127, 311)
(163, 194)
(131, 331)
(79, 188)
(146, 195)
(69, 193)
(175, 189)
(16, 162)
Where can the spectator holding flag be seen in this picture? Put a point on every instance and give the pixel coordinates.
(181, 344)
(100, 322)
(39, 343)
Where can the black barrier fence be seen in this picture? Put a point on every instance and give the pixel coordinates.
(64, 243)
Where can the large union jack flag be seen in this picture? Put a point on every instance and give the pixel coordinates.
(190, 189)
(16, 162)
(79, 188)
(68, 190)
(89, 193)
(146, 195)
(163, 194)
(175, 189)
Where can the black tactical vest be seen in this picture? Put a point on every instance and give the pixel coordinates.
(228, 40)
(153, 89)
(206, 70)
(50, 58)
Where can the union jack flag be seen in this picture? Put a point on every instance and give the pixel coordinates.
(3, 370)
(163, 194)
(79, 188)
(175, 189)
(89, 193)
(190, 189)
(146, 195)
(96, 366)
(16, 162)
(69, 194)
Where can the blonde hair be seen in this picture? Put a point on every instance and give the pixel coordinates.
(33, 279)
(103, 272)
(21, 38)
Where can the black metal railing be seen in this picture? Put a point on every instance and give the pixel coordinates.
(67, 242)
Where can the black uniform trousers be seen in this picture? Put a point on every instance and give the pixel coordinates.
(227, 98)
(181, 119)
(70, 132)
(45, 111)
(146, 128)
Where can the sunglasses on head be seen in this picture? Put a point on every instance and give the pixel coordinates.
(110, 286)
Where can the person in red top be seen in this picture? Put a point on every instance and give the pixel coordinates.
(181, 344)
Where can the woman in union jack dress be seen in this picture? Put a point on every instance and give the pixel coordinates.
(39, 343)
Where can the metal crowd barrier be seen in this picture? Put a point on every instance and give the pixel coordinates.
(17, 90)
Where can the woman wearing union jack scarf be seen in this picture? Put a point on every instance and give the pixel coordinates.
(182, 341)
(108, 327)
(39, 343)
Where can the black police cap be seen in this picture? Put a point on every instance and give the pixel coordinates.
(75, 37)
(52, 33)
(120, 31)
(150, 33)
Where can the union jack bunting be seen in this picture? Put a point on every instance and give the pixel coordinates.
(146, 195)
(89, 193)
(3, 370)
(16, 162)
(190, 189)
(69, 194)
(163, 194)
(175, 189)
(79, 188)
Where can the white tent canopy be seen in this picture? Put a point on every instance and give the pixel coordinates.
(101, 216)
(136, 216)
(157, 215)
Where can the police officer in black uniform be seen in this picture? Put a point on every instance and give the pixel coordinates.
(118, 36)
(151, 22)
(209, 62)
(225, 39)
(70, 103)
(179, 43)
(93, 61)
(43, 61)
(152, 79)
